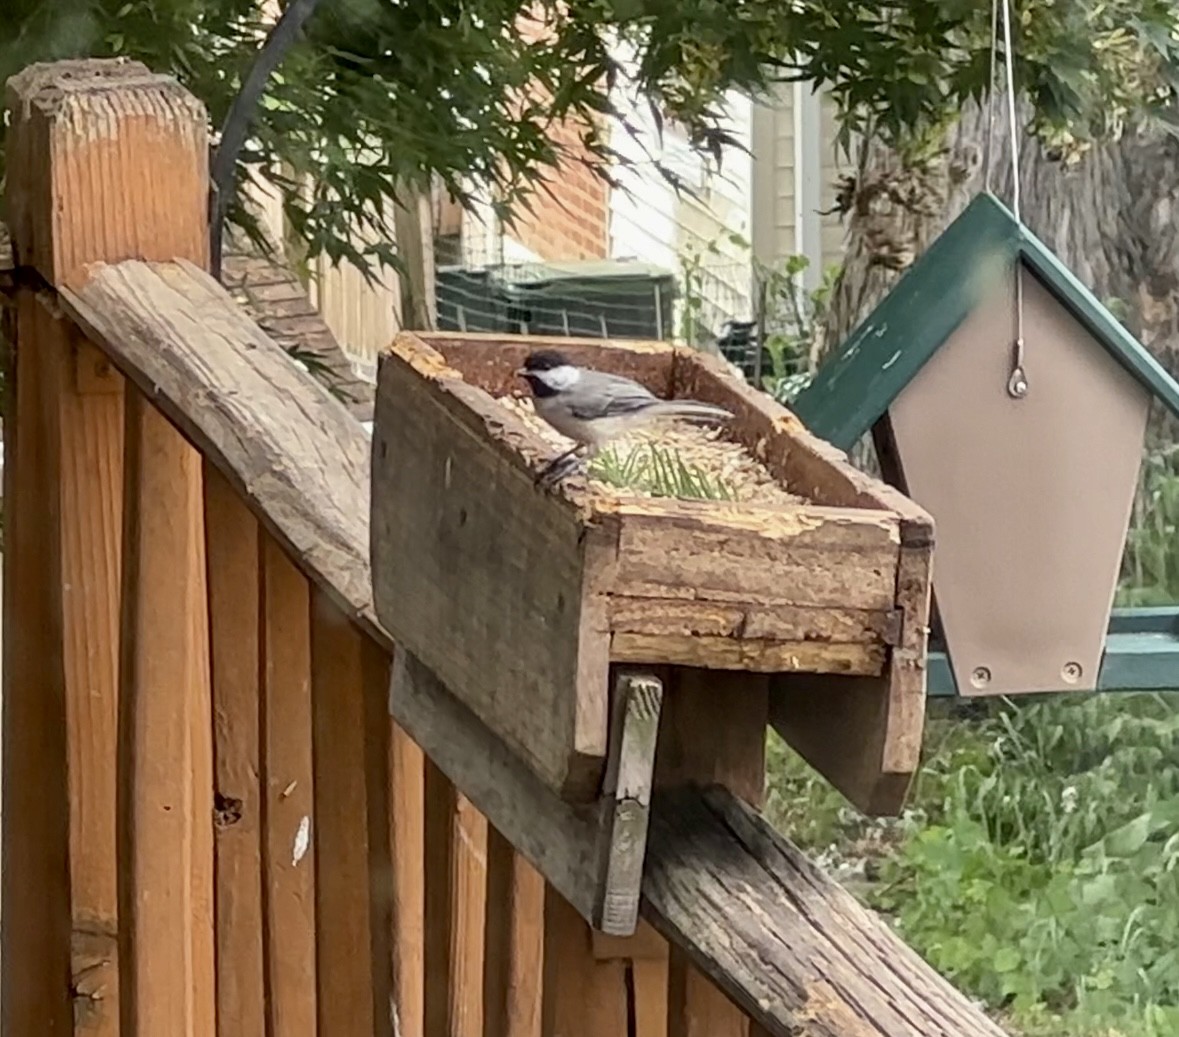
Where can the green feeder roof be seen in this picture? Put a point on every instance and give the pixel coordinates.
(859, 382)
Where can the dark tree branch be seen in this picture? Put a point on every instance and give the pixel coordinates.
(240, 117)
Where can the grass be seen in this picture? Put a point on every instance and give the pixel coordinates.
(658, 471)
(1037, 865)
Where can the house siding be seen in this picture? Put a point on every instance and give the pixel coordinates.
(795, 175)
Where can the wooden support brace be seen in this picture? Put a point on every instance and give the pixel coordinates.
(593, 854)
(626, 801)
(880, 718)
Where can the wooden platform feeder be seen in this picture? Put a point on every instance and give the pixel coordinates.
(522, 600)
(1032, 492)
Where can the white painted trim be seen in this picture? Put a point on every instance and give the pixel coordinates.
(763, 180)
(808, 179)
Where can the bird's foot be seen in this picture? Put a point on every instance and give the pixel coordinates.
(559, 468)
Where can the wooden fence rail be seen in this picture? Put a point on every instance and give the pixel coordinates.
(211, 822)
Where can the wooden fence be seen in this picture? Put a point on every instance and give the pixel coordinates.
(211, 822)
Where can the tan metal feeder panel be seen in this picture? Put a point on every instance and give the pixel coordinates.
(1032, 497)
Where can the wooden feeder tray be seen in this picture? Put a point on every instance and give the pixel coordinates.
(520, 599)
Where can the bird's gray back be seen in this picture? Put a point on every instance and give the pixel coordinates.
(599, 394)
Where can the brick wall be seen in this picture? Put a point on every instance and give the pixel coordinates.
(570, 216)
(570, 212)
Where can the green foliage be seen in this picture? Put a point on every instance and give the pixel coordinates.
(695, 261)
(1047, 882)
(658, 471)
(1038, 866)
(382, 94)
(1151, 563)
(793, 318)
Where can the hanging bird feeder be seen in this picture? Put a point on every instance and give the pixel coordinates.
(1007, 401)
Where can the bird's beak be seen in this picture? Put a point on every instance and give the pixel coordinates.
(521, 372)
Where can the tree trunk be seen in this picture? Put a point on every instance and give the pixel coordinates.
(1111, 218)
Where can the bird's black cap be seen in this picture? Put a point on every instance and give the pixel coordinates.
(545, 360)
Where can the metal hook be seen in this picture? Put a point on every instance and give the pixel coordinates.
(1017, 383)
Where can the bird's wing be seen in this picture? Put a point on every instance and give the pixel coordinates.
(602, 395)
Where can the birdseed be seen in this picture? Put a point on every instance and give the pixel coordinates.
(699, 447)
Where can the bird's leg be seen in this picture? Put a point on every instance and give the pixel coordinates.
(560, 466)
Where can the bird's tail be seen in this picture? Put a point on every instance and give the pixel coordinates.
(691, 410)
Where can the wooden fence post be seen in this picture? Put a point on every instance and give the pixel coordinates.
(105, 162)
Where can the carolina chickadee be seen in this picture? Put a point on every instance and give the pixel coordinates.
(593, 407)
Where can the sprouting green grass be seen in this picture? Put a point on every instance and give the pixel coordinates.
(658, 471)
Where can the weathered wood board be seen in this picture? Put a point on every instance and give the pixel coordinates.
(520, 598)
(795, 951)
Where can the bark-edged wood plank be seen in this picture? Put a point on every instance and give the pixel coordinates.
(677, 616)
(807, 557)
(793, 949)
(753, 655)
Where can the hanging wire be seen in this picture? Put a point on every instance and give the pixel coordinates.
(1017, 381)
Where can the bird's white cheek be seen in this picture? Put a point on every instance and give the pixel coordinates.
(560, 378)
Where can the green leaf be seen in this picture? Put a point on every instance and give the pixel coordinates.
(1007, 959)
